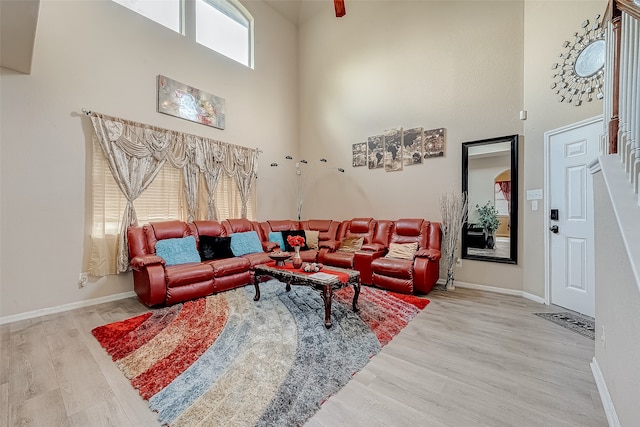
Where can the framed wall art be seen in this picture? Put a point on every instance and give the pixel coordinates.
(186, 102)
(434, 143)
(412, 146)
(393, 150)
(375, 151)
(359, 154)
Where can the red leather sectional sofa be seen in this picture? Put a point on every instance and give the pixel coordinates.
(155, 283)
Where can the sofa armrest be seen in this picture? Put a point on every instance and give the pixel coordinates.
(270, 246)
(432, 254)
(373, 247)
(332, 245)
(142, 261)
(362, 262)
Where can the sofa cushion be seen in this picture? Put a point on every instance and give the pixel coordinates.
(402, 250)
(215, 248)
(178, 251)
(351, 244)
(244, 243)
(229, 266)
(187, 274)
(392, 267)
(311, 238)
(288, 233)
(276, 237)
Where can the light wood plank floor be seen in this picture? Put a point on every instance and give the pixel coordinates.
(470, 358)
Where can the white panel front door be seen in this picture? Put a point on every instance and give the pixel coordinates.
(571, 246)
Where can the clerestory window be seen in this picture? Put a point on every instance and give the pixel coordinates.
(224, 26)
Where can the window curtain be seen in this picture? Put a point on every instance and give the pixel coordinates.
(505, 187)
(136, 152)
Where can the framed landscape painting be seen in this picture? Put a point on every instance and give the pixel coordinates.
(186, 102)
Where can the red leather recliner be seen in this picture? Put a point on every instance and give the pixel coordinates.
(375, 235)
(419, 274)
(153, 281)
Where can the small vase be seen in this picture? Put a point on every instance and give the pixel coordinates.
(490, 241)
(296, 260)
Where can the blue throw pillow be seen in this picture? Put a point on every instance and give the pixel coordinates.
(178, 251)
(245, 243)
(276, 237)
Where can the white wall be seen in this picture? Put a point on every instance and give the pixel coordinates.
(547, 25)
(100, 56)
(386, 64)
(617, 302)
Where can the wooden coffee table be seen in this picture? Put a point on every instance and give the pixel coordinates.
(266, 272)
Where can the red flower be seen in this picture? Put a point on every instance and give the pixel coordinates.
(295, 240)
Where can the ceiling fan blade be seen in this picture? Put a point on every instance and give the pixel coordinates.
(340, 10)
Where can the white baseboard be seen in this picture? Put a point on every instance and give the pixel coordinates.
(534, 298)
(488, 288)
(497, 290)
(64, 307)
(607, 403)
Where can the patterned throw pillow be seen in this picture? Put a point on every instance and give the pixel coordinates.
(311, 236)
(351, 244)
(402, 250)
(178, 251)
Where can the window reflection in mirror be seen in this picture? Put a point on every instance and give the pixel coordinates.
(490, 179)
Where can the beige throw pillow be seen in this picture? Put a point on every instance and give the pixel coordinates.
(402, 250)
(311, 236)
(351, 244)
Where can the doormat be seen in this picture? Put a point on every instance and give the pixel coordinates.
(580, 324)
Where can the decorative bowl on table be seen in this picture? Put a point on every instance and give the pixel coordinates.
(279, 257)
(311, 267)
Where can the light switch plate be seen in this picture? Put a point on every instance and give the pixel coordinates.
(534, 194)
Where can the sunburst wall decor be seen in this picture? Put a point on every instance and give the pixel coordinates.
(578, 76)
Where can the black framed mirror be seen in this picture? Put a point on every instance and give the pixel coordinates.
(490, 180)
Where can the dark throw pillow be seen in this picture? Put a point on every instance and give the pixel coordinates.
(215, 248)
(288, 233)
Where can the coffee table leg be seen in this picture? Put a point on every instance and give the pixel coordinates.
(327, 295)
(256, 283)
(356, 294)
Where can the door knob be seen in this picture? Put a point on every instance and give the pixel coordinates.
(554, 229)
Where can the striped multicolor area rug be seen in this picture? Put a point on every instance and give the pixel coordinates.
(227, 360)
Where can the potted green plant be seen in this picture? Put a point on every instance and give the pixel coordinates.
(488, 220)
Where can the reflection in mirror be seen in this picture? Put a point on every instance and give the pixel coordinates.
(489, 177)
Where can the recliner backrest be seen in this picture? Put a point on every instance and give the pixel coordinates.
(209, 228)
(156, 231)
(240, 225)
(410, 230)
(357, 227)
(327, 228)
(282, 225)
